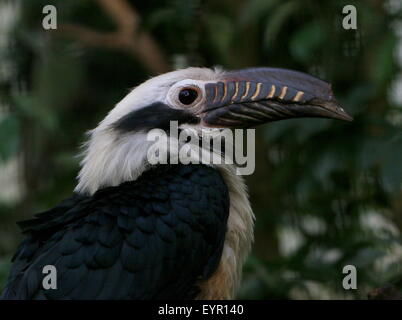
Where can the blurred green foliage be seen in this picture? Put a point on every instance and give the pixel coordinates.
(325, 193)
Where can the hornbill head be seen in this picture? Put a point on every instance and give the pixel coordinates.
(198, 98)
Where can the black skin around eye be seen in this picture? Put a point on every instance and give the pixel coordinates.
(188, 96)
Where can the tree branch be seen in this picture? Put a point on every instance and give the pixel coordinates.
(127, 37)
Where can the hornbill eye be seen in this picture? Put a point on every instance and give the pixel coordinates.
(188, 95)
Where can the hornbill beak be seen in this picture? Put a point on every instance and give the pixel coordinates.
(250, 97)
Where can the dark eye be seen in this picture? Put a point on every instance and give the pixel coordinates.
(188, 96)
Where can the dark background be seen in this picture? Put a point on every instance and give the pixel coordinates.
(325, 193)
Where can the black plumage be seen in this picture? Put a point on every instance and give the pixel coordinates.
(153, 238)
(156, 115)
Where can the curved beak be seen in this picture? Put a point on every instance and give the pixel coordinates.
(250, 97)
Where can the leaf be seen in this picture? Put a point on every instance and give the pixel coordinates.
(221, 32)
(47, 77)
(307, 40)
(382, 66)
(256, 9)
(5, 266)
(305, 129)
(276, 21)
(160, 17)
(391, 168)
(9, 136)
(32, 107)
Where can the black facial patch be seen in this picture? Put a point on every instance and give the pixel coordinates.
(156, 115)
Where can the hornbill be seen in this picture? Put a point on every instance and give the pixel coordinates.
(136, 230)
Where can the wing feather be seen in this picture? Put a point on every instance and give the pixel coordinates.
(153, 238)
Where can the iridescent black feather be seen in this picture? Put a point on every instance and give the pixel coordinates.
(153, 238)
